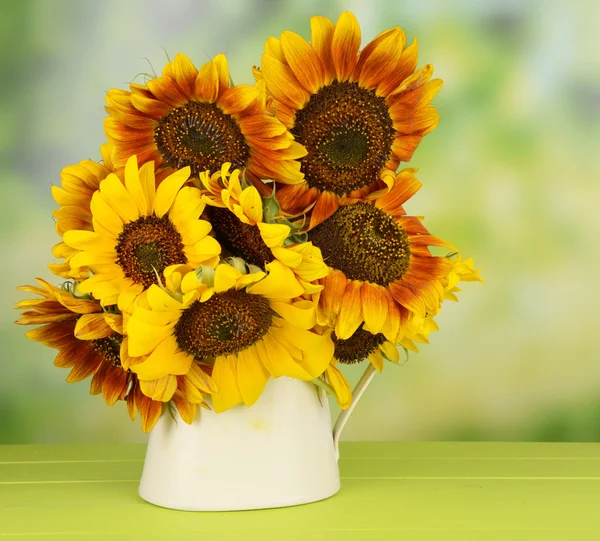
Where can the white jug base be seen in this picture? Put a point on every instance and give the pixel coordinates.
(277, 453)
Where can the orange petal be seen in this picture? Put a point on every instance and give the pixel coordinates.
(374, 306)
(327, 204)
(92, 327)
(207, 83)
(185, 74)
(345, 45)
(282, 82)
(303, 60)
(351, 315)
(383, 60)
(322, 29)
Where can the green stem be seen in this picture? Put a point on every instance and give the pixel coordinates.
(323, 384)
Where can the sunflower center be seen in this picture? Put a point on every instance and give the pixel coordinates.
(147, 246)
(109, 348)
(239, 239)
(364, 243)
(227, 323)
(348, 133)
(358, 347)
(202, 136)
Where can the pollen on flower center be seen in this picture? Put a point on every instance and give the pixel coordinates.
(109, 348)
(358, 347)
(239, 239)
(227, 323)
(147, 246)
(364, 243)
(202, 136)
(348, 133)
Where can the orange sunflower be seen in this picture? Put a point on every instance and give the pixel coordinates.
(355, 112)
(195, 118)
(91, 343)
(381, 267)
(74, 196)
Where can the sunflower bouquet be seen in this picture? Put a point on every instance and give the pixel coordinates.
(235, 233)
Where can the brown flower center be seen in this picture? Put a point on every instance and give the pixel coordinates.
(202, 136)
(364, 243)
(147, 246)
(348, 133)
(227, 323)
(358, 347)
(239, 239)
(109, 348)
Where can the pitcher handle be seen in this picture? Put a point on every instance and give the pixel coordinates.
(344, 415)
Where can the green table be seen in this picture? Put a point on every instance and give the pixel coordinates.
(395, 490)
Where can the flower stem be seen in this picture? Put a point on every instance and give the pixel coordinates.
(343, 417)
(323, 384)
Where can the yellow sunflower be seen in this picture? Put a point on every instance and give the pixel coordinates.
(356, 112)
(381, 266)
(138, 231)
(78, 184)
(91, 342)
(243, 328)
(190, 117)
(241, 225)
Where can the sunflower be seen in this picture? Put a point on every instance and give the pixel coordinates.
(241, 223)
(244, 327)
(355, 112)
(78, 184)
(138, 231)
(190, 117)
(381, 266)
(91, 342)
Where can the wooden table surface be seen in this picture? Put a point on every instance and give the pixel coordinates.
(393, 490)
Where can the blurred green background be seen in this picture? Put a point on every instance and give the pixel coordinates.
(511, 176)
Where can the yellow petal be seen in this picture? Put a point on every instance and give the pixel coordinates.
(167, 190)
(343, 393)
(201, 379)
(164, 360)
(273, 234)
(303, 60)
(252, 204)
(161, 389)
(317, 350)
(117, 196)
(300, 314)
(278, 361)
(89, 241)
(196, 231)
(134, 187)
(391, 351)
(280, 284)
(251, 376)
(148, 183)
(225, 376)
(105, 217)
(287, 257)
(226, 277)
(207, 83)
(145, 338)
(376, 360)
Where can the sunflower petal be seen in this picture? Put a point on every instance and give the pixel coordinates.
(345, 45)
(167, 190)
(251, 376)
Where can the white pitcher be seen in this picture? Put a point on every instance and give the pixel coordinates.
(279, 452)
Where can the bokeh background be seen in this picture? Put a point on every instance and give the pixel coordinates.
(511, 176)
